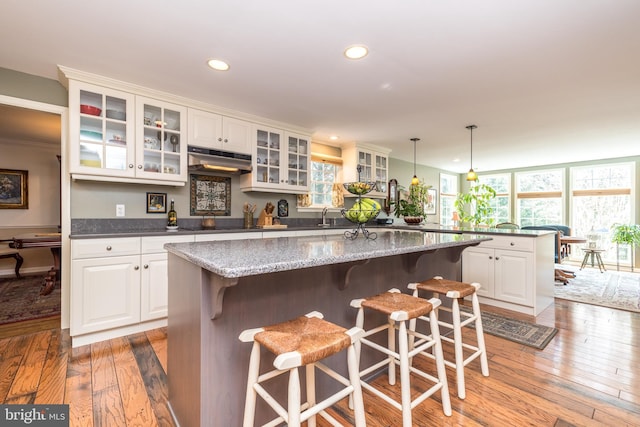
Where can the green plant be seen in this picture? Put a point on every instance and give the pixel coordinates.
(414, 202)
(626, 234)
(474, 207)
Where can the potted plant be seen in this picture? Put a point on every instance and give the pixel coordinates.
(626, 234)
(411, 206)
(474, 207)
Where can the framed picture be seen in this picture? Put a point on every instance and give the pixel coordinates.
(14, 189)
(210, 195)
(156, 202)
(431, 206)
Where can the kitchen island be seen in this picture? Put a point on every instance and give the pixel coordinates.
(218, 289)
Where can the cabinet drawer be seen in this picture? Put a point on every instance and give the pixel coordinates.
(510, 242)
(155, 244)
(97, 248)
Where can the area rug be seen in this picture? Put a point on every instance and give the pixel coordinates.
(527, 333)
(20, 300)
(614, 289)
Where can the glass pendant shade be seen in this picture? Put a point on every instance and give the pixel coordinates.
(471, 175)
(414, 180)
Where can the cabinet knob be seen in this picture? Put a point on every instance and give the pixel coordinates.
(219, 139)
(512, 244)
(146, 266)
(137, 267)
(108, 248)
(226, 140)
(497, 258)
(131, 166)
(490, 257)
(139, 166)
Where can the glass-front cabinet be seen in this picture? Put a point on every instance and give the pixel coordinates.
(374, 162)
(281, 162)
(161, 136)
(122, 135)
(101, 127)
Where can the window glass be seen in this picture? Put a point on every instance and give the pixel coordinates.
(448, 194)
(501, 204)
(539, 197)
(323, 176)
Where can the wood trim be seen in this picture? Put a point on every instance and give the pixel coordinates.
(540, 195)
(602, 192)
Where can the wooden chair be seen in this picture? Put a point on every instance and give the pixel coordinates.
(508, 225)
(7, 252)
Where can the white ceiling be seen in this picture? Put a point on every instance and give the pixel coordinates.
(546, 81)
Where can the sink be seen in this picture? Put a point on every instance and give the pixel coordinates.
(324, 225)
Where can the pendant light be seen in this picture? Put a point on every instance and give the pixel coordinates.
(414, 180)
(472, 175)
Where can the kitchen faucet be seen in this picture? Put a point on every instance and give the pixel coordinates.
(324, 216)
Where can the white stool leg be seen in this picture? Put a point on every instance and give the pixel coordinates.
(356, 396)
(252, 378)
(357, 347)
(391, 345)
(293, 407)
(457, 345)
(484, 364)
(439, 356)
(403, 352)
(311, 390)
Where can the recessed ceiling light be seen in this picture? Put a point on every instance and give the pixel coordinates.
(356, 52)
(333, 137)
(218, 64)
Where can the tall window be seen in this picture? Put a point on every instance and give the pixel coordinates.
(539, 197)
(501, 204)
(602, 196)
(323, 176)
(448, 194)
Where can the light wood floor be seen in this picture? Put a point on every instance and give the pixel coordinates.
(587, 376)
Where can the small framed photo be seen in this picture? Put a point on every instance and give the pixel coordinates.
(156, 202)
(431, 206)
(14, 189)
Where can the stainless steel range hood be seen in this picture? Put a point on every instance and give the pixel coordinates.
(209, 160)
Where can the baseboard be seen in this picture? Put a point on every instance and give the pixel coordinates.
(11, 272)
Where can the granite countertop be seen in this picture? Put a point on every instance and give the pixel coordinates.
(229, 258)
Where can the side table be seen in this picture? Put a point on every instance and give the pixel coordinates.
(593, 253)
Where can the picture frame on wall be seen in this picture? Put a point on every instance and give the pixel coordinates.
(431, 207)
(14, 189)
(156, 202)
(210, 195)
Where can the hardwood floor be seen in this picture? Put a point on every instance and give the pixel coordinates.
(587, 376)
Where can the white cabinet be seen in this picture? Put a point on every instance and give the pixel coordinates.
(214, 131)
(118, 286)
(281, 162)
(105, 284)
(374, 162)
(515, 272)
(119, 135)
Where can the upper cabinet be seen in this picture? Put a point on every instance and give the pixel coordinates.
(120, 136)
(281, 162)
(374, 162)
(210, 130)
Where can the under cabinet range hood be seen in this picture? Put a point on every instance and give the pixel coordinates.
(209, 160)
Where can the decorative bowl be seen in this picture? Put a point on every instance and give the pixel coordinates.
(116, 115)
(90, 109)
(413, 220)
(360, 216)
(359, 187)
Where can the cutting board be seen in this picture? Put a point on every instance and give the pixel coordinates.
(273, 226)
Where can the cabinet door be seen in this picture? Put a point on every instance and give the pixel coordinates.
(380, 174)
(205, 129)
(365, 159)
(161, 150)
(297, 159)
(101, 131)
(514, 277)
(478, 266)
(154, 287)
(236, 135)
(105, 293)
(266, 162)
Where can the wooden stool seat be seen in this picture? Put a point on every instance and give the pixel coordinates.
(456, 291)
(6, 252)
(303, 341)
(400, 308)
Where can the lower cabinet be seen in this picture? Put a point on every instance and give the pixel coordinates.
(515, 272)
(118, 286)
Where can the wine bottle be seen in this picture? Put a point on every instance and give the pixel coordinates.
(172, 216)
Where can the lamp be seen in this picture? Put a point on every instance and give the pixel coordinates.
(414, 180)
(455, 218)
(471, 175)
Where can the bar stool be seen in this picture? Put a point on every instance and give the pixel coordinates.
(303, 341)
(399, 308)
(456, 291)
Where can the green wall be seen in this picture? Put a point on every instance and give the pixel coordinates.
(33, 88)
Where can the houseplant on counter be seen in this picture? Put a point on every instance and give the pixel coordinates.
(474, 207)
(411, 206)
(625, 234)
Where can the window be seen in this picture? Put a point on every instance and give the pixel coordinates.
(539, 197)
(602, 196)
(323, 177)
(448, 194)
(501, 204)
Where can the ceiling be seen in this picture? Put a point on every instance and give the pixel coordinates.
(545, 81)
